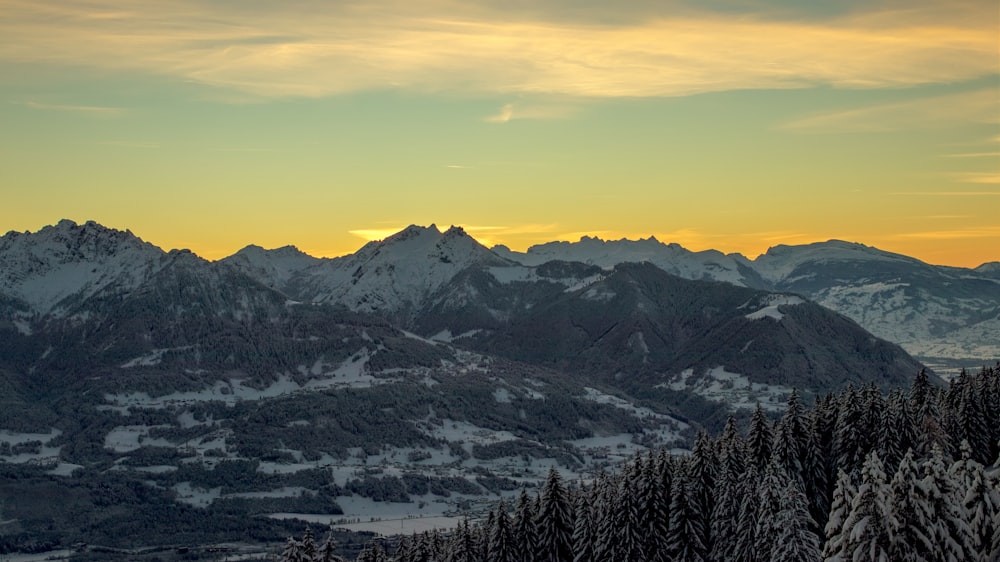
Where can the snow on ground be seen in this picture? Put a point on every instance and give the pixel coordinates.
(771, 310)
(198, 497)
(350, 373)
(452, 430)
(127, 438)
(15, 438)
(64, 469)
(38, 556)
(447, 337)
(45, 454)
(734, 389)
(154, 357)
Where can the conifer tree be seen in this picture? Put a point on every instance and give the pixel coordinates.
(502, 547)
(374, 552)
(796, 541)
(866, 530)
(525, 531)
(910, 523)
(701, 468)
(584, 534)
(746, 526)
(463, 545)
(684, 538)
(653, 513)
(980, 499)
(836, 539)
(848, 438)
(951, 535)
(292, 552)
(328, 551)
(627, 522)
(555, 522)
(759, 439)
(773, 484)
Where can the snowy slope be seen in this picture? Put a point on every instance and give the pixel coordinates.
(397, 273)
(932, 311)
(60, 266)
(274, 268)
(672, 258)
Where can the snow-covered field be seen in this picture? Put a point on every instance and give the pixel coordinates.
(734, 389)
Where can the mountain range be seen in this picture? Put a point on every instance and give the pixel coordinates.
(424, 361)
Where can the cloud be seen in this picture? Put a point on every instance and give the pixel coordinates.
(972, 155)
(533, 110)
(977, 177)
(506, 112)
(85, 109)
(953, 193)
(978, 106)
(955, 234)
(275, 50)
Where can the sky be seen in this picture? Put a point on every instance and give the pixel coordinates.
(729, 124)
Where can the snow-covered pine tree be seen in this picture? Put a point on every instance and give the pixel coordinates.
(910, 522)
(584, 533)
(605, 497)
(796, 540)
(327, 552)
(502, 547)
(773, 483)
(555, 522)
(374, 552)
(840, 508)
(951, 534)
(702, 466)
(848, 434)
(462, 547)
(626, 521)
(525, 531)
(653, 513)
(292, 552)
(726, 508)
(866, 529)
(896, 432)
(684, 537)
(759, 439)
(980, 497)
(746, 524)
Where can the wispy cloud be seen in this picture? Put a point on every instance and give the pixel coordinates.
(978, 106)
(953, 234)
(505, 114)
(950, 193)
(977, 177)
(273, 50)
(973, 155)
(532, 110)
(85, 109)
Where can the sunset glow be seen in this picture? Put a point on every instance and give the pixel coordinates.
(728, 125)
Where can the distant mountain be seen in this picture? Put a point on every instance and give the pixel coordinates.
(946, 315)
(55, 269)
(637, 325)
(710, 265)
(934, 312)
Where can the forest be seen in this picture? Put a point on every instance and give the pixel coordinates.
(858, 476)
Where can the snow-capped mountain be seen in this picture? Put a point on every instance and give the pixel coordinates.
(386, 276)
(672, 258)
(274, 268)
(55, 269)
(934, 312)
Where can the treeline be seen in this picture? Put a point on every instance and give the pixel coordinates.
(860, 476)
